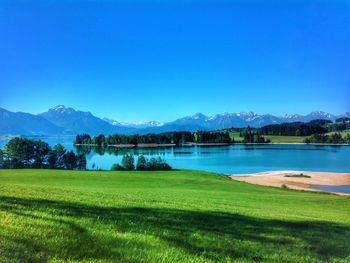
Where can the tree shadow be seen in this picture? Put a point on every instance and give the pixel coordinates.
(66, 233)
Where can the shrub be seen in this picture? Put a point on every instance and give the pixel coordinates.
(158, 164)
(117, 167)
(298, 175)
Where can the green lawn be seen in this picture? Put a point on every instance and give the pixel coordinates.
(174, 216)
(235, 136)
(285, 139)
(276, 139)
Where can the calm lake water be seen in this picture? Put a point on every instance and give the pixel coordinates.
(233, 159)
(337, 189)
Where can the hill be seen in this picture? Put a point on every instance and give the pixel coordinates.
(18, 123)
(175, 216)
(61, 120)
(73, 122)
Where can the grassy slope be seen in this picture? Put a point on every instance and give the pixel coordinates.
(283, 139)
(235, 136)
(177, 216)
(286, 139)
(278, 139)
(343, 133)
(296, 139)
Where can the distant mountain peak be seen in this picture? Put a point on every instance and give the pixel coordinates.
(59, 107)
(198, 115)
(225, 114)
(246, 114)
(138, 124)
(290, 116)
(65, 120)
(319, 113)
(62, 109)
(113, 122)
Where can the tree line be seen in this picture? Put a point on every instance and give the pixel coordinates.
(116, 139)
(100, 142)
(306, 129)
(252, 136)
(295, 128)
(340, 124)
(176, 138)
(26, 153)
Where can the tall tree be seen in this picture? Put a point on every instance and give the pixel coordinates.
(81, 162)
(59, 152)
(2, 161)
(128, 162)
(40, 151)
(141, 163)
(70, 160)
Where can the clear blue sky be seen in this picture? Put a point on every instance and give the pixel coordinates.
(143, 60)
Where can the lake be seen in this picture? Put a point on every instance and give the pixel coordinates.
(233, 159)
(336, 189)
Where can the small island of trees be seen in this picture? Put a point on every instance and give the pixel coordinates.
(143, 164)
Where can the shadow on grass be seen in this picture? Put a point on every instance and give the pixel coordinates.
(74, 231)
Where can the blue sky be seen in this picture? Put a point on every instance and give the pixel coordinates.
(143, 60)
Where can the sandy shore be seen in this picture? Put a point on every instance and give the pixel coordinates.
(280, 178)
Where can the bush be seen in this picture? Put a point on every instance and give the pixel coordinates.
(158, 164)
(117, 167)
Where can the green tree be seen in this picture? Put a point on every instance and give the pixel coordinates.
(19, 152)
(141, 163)
(59, 153)
(2, 161)
(128, 162)
(51, 159)
(40, 151)
(70, 160)
(81, 162)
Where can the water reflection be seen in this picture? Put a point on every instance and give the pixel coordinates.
(234, 158)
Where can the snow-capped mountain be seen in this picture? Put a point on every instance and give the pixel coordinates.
(228, 120)
(66, 120)
(112, 122)
(73, 122)
(319, 115)
(196, 119)
(139, 124)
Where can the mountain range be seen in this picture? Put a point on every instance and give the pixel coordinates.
(62, 120)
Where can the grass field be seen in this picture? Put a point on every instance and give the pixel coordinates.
(174, 216)
(275, 139)
(235, 136)
(285, 139)
(297, 139)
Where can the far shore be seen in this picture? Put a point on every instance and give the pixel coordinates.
(191, 144)
(291, 179)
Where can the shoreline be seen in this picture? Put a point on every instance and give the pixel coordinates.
(154, 145)
(292, 180)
